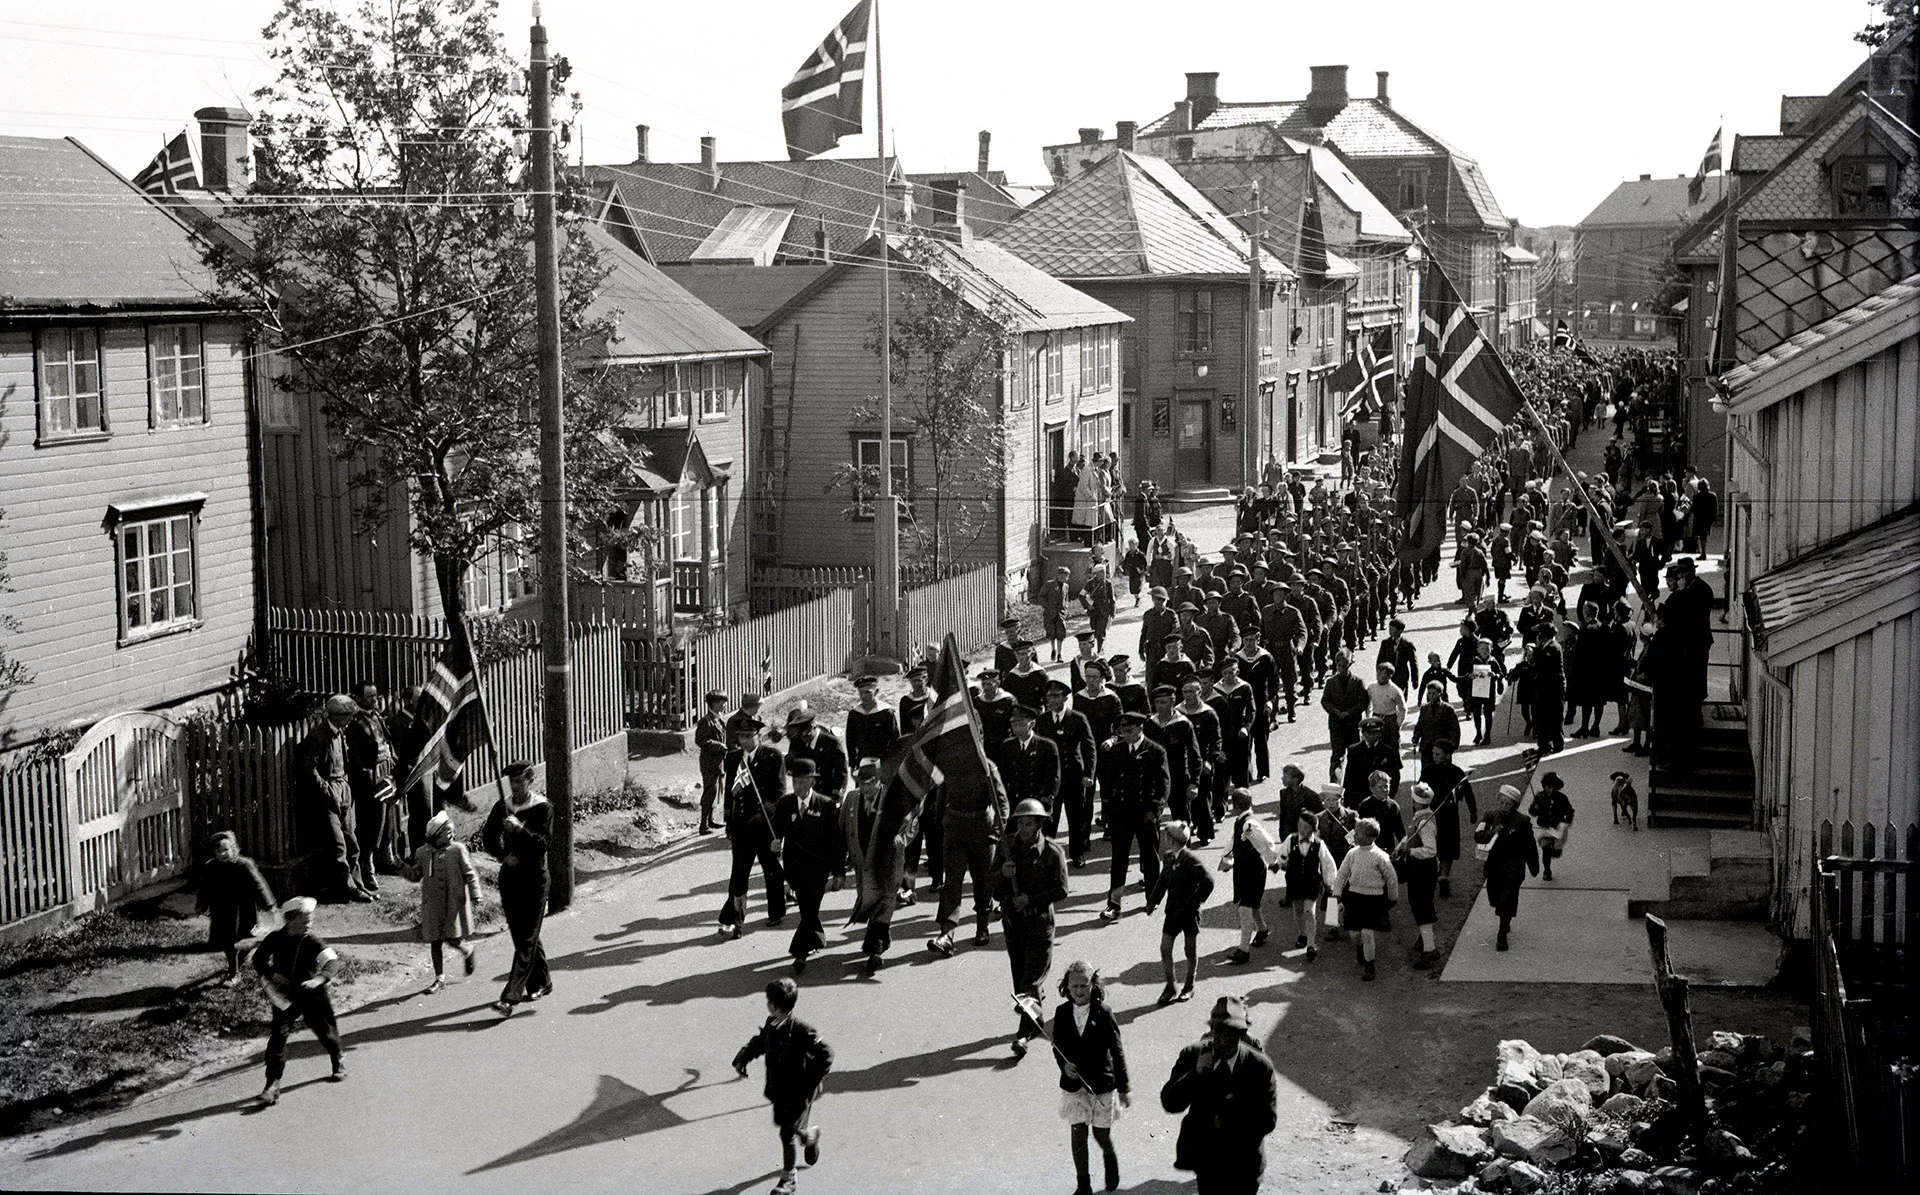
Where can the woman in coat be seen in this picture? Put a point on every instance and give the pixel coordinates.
(1452, 791)
(449, 893)
(516, 834)
(1436, 722)
(1506, 837)
(1706, 510)
(1549, 694)
(1093, 1071)
(1590, 671)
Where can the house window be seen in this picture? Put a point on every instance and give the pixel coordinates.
(717, 391)
(1089, 360)
(1266, 322)
(158, 589)
(178, 376)
(1104, 340)
(518, 579)
(70, 398)
(1413, 188)
(1196, 322)
(867, 459)
(683, 391)
(279, 412)
(683, 523)
(1862, 186)
(1096, 432)
(1056, 368)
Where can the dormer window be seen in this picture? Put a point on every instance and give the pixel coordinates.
(1863, 186)
(1413, 188)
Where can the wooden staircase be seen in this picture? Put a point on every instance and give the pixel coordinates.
(1716, 786)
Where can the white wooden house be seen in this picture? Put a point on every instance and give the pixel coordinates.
(1825, 504)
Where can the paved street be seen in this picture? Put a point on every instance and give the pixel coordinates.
(624, 1071)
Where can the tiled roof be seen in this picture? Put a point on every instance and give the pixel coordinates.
(1898, 302)
(1364, 128)
(1796, 108)
(1376, 222)
(1757, 155)
(657, 317)
(1659, 202)
(1798, 187)
(78, 235)
(1883, 557)
(744, 294)
(677, 205)
(1130, 216)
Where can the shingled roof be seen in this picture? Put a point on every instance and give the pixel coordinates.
(1894, 313)
(1875, 567)
(78, 235)
(657, 319)
(1131, 216)
(1659, 202)
(678, 205)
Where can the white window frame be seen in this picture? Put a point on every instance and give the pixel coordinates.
(177, 373)
(1106, 351)
(1056, 359)
(866, 455)
(678, 397)
(1096, 432)
(716, 396)
(279, 405)
(169, 577)
(63, 414)
(1089, 361)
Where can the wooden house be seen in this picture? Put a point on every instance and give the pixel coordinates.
(125, 434)
(1826, 543)
(692, 376)
(1134, 233)
(1810, 225)
(1058, 389)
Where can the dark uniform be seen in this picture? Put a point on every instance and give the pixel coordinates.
(822, 748)
(870, 733)
(1155, 625)
(1135, 781)
(815, 852)
(1072, 736)
(754, 787)
(1037, 871)
(1031, 770)
(1284, 631)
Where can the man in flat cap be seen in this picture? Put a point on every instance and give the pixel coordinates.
(321, 786)
(807, 739)
(710, 740)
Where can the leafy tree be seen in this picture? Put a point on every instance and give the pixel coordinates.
(948, 346)
(387, 252)
(1894, 17)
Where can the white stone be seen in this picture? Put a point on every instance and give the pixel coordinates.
(1563, 1101)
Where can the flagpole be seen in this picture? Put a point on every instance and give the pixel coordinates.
(885, 591)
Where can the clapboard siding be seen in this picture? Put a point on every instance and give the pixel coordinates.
(1855, 758)
(1843, 453)
(835, 371)
(61, 547)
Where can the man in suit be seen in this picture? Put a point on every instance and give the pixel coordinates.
(1345, 700)
(1226, 1087)
(1397, 651)
(1135, 780)
(1072, 735)
(710, 740)
(1030, 764)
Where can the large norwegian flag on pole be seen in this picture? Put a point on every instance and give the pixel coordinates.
(450, 716)
(947, 749)
(822, 102)
(1459, 398)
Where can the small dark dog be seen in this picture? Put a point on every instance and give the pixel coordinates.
(1625, 800)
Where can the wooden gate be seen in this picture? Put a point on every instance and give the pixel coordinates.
(126, 782)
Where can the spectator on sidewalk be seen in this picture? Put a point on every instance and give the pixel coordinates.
(1506, 842)
(321, 785)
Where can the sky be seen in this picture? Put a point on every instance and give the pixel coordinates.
(1558, 101)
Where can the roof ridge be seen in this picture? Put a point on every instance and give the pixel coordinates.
(1125, 159)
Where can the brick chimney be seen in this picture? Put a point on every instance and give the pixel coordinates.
(226, 162)
(822, 247)
(1127, 132)
(1203, 92)
(1183, 116)
(640, 132)
(1380, 88)
(949, 211)
(986, 144)
(710, 163)
(1329, 94)
(1091, 136)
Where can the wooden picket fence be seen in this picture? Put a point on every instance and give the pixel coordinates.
(325, 651)
(36, 832)
(813, 639)
(967, 605)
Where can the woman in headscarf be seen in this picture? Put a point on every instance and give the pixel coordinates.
(1505, 837)
(449, 893)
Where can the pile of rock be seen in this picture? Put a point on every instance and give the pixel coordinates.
(1602, 1119)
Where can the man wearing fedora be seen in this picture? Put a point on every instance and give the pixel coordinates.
(1225, 1086)
(810, 741)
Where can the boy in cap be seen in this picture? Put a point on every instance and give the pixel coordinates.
(296, 966)
(797, 1063)
(710, 740)
(1184, 883)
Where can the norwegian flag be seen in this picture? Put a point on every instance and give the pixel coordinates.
(1370, 376)
(766, 670)
(448, 713)
(822, 102)
(1562, 335)
(947, 749)
(171, 170)
(1459, 398)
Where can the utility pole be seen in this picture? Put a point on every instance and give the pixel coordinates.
(555, 649)
(1250, 412)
